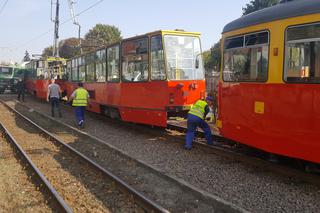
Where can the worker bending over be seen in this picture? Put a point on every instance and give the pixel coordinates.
(196, 118)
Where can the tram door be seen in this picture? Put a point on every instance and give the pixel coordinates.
(135, 73)
(142, 100)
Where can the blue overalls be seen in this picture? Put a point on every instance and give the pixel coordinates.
(195, 119)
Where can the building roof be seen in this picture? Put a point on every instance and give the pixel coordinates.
(280, 11)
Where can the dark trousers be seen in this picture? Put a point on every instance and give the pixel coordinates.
(79, 111)
(193, 123)
(21, 95)
(55, 103)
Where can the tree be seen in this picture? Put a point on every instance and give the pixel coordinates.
(26, 56)
(212, 58)
(101, 35)
(216, 56)
(207, 60)
(69, 48)
(255, 5)
(48, 51)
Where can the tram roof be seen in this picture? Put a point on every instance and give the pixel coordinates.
(280, 11)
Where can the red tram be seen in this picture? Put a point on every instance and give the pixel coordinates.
(39, 71)
(269, 94)
(144, 79)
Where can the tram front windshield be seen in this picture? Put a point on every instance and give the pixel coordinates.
(184, 60)
(6, 71)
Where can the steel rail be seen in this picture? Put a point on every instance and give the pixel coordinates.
(223, 205)
(252, 160)
(141, 199)
(64, 206)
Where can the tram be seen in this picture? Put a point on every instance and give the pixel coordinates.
(269, 93)
(144, 79)
(40, 71)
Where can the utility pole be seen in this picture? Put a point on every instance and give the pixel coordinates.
(56, 30)
(71, 3)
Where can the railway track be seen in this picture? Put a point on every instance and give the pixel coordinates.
(94, 175)
(226, 148)
(223, 147)
(44, 183)
(188, 198)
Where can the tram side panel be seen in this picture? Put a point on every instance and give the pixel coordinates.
(279, 115)
(144, 102)
(274, 117)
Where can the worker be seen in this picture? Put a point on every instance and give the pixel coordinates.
(21, 89)
(196, 118)
(80, 99)
(53, 95)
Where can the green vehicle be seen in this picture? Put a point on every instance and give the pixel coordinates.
(9, 76)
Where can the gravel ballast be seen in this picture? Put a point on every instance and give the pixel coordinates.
(18, 191)
(82, 187)
(253, 189)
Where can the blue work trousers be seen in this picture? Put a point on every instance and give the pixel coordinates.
(79, 110)
(193, 123)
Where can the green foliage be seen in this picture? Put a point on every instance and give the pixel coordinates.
(216, 55)
(101, 35)
(255, 5)
(212, 58)
(98, 36)
(69, 48)
(48, 51)
(207, 60)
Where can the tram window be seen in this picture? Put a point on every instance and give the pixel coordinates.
(256, 39)
(157, 59)
(248, 62)
(101, 66)
(234, 42)
(113, 63)
(69, 71)
(135, 60)
(183, 54)
(90, 67)
(302, 61)
(74, 70)
(41, 64)
(82, 69)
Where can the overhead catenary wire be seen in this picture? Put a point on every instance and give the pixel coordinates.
(62, 23)
(3, 6)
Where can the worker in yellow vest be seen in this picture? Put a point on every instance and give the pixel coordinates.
(196, 118)
(80, 99)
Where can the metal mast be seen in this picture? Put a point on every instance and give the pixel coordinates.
(56, 30)
(71, 3)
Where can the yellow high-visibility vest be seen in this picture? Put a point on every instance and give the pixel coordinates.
(80, 98)
(198, 109)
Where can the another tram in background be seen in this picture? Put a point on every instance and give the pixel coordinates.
(9, 76)
(40, 71)
(144, 79)
(269, 94)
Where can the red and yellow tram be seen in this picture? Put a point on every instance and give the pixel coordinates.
(269, 94)
(40, 71)
(144, 79)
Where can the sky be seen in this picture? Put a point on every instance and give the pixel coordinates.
(26, 25)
